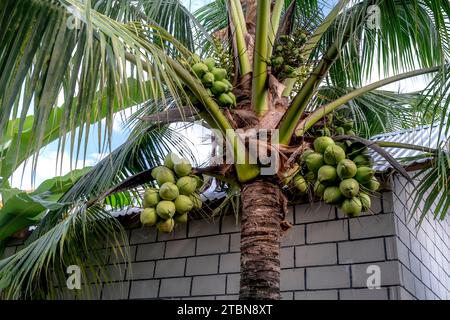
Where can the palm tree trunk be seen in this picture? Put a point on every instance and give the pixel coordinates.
(262, 214)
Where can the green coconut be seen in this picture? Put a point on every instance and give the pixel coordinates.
(311, 176)
(346, 169)
(352, 207)
(187, 185)
(305, 154)
(348, 125)
(168, 191)
(322, 143)
(340, 131)
(170, 159)
(325, 132)
(183, 204)
(182, 168)
(165, 175)
(327, 175)
(363, 160)
(219, 73)
(208, 79)
(218, 88)
(199, 182)
(165, 209)
(148, 217)
(364, 174)
(300, 183)
(228, 83)
(349, 187)
(225, 100)
(365, 201)
(319, 189)
(157, 170)
(314, 161)
(350, 133)
(333, 154)
(332, 195)
(200, 69)
(210, 63)
(196, 200)
(372, 185)
(166, 226)
(151, 198)
(233, 97)
(181, 218)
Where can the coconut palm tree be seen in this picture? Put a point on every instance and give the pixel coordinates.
(292, 64)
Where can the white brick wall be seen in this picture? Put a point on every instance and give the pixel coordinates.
(323, 256)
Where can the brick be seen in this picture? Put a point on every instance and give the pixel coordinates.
(391, 248)
(403, 253)
(127, 254)
(170, 268)
(230, 263)
(292, 279)
(206, 285)
(235, 242)
(214, 244)
(405, 295)
(328, 277)
(388, 202)
(116, 272)
(150, 251)
(180, 248)
(416, 247)
(290, 216)
(143, 235)
(115, 291)
(287, 295)
(175, 287)
(389, 273)
(179, 232)
(420, 290)
(402, 232)
(372, 226)
(228, 297)
(327, 231)
(200, 298)
(233, 283)
(202, 227)
(144, 289)
(314, 255)
(294, 236)
(202, 265)
(287, 257)
(316, 295)
(414, 265)
(361, 251)
(364, 294)
(141, 270)
(306, 213)
(229, 224)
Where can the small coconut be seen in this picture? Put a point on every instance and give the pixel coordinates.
(364, 174)
(182, 168)
(165, 209)
(187, 185)
(181, 218)
(200, 69)
(365, 201)
(311, 176)
(332, 195)
(372, 185)
(363, 160)
(349, 187)
(157, 170)
(343, 145)
(300, 183)
(346, 169)
(148, 217)
(219, 73)
(319, 189)
(352, 207)
(322, 143)
(164, 175)
(333, 154)
(305, 154)
(166, 226)
(183, 204)
(169, 191)
(340, 131)
(151, 198)
(218, 88)
(208, 79)
(170, 159)
(210, 63)
(196, 200)
(314, 161)
(348, 125)
(327, 175)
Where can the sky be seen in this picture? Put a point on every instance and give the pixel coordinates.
(47, 161)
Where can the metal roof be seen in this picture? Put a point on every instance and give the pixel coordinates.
(425, 136)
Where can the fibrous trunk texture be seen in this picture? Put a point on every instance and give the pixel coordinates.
(262, 214)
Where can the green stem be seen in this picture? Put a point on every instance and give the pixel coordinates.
(260, 56)
(389, 144)
(244, 60)
(276, 15)
(240, 13)
(309, 121)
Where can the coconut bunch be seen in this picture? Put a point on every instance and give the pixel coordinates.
(215, 79)
(340, 173)
(287, 57)
(175, 197)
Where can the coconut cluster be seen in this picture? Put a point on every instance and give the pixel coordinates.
(215, 79)
(176, 196)
(340, 173)
(287, 57)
